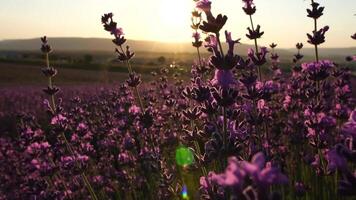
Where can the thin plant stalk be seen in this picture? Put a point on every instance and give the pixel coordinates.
(53, 108)
(225, 130)
(84, 177)
(219, 43)
(256, 48)
(136, 91)
(50, 85)
(197, 148)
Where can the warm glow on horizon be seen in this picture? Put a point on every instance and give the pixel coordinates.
(173, 14)
(284, 21)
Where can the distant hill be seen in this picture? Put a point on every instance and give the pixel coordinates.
(101, 44)
(95, 44)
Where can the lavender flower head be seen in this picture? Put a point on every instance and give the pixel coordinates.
(204, 5)
(353, 36)
(249, 7)
(317, 66)
(231, 42)
(349, 128)
(263, 175)
(336, 160)
(196, 36)
(260, 58)
(318, 37)
(232, 177)
(223, 78)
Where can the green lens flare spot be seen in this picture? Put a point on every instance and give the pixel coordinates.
(184, 156)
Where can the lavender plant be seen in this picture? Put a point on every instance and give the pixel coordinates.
(225, 134)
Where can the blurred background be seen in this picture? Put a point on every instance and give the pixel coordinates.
(158, 31)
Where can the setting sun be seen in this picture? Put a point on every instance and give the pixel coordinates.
(173, 14)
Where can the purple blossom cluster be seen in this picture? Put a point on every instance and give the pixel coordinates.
(255, 132)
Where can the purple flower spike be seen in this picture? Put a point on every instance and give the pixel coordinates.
(249, 7)
(351, 58)
(353, 36)
(318, 37)
(231, 42)
(223, 78)
(349, 128)
(233, 176)
(336, 160)
(300, 189)
(299, 46)
(197, 42)
(254, 34)
(273, 45)
(196, 36)
(212, 44)
(263, 176)
(316, 11)
(204, 5)
(353, 116)
(260, 58)
(213, 25)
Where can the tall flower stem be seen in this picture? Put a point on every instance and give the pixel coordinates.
(225, 130)
(50, 85)
(219, 43)
(199, 57)
(84, 177)
(256, 48)
(197, 148)
(316, 56)
(136, 91)
(69, 148)
(316, 46)
(315, 30)
(198, 52)
(224, 108)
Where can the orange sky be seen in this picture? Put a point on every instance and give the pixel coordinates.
(284, 21)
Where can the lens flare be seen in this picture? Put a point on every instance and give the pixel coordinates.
(184, 156)
(185, 192)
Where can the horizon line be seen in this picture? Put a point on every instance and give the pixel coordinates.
(166, 42)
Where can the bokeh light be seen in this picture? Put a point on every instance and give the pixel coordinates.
(184, 156)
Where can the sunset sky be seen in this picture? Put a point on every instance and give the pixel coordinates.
(284, 21)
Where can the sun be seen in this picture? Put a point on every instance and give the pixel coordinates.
(174, 16)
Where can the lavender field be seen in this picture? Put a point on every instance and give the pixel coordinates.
(229, 126)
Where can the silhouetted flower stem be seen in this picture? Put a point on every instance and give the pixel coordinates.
(256, 48)
(50, 72)
(199, 56)
(136, 91)
(198, 50)
(220, 46)
(138, 96)
(224, 108)
(316, 46)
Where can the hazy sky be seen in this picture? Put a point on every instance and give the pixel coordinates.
(284, 21)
